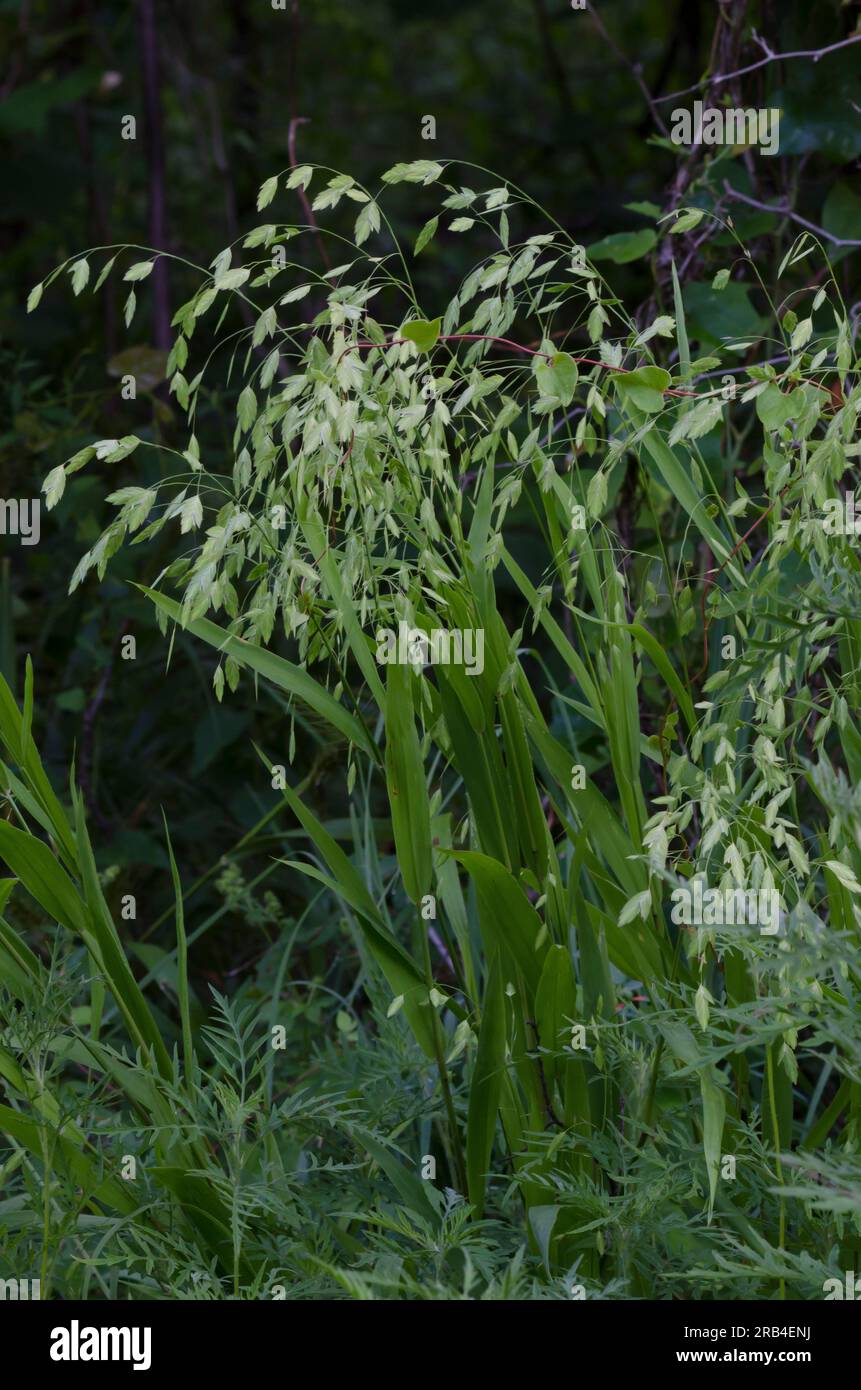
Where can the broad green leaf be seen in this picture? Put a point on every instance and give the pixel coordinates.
(774, 407)
(650, 644)
(644, 387)
(678, 480)
(509, 922)
(423, 332)
(32, 862)
(36, 792)
(328, 565)
(542, 1220)
(622, 247)
(555, 1009)
(681, 329)
(405, 778)
(557, 376)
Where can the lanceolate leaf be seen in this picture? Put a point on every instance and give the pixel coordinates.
(509, 923)
(292, 679)
(403, 976)
(405, 776)
(485, 1087)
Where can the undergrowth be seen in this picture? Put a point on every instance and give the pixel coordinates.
(492, 1058)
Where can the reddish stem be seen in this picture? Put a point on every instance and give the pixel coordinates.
(515, 347)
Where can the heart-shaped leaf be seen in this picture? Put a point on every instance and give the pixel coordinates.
(423, 332)
(644, 387)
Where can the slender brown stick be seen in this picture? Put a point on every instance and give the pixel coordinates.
(771, 57)
(303, 197)
(782, 210)
(635, 70)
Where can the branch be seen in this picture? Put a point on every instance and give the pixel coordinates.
(635, 69)
(513, 347)
(725, 46)
(783, 211)
(770, 57)
(303, 197)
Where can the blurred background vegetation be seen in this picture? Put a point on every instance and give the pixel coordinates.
(565, 103)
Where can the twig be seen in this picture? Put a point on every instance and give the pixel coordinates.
(725, 45)
(303, 197)
(635, 69)
(514, 347)
(441, 949)
(783, 211)
(770, 57)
